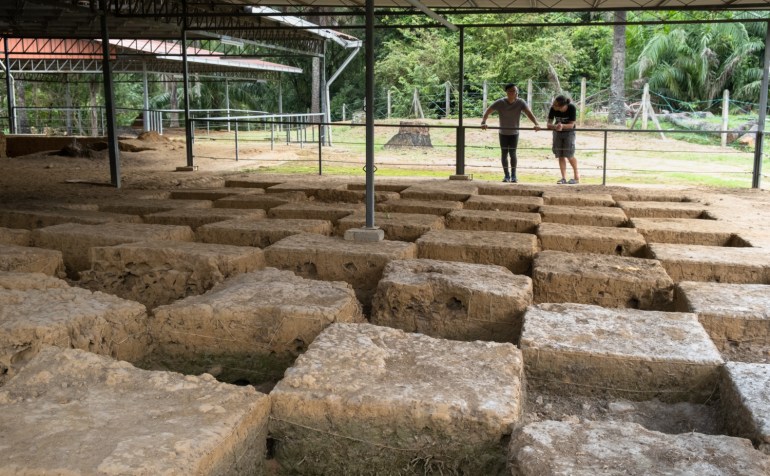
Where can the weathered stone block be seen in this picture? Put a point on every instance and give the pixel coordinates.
(315, 211)
(604, 280)
(744, 392)
(309, 188)
(510, 250)
(75, 241)
(197, 217)
(481, 220)
(38, 310)
(397, 226)
(353, 196)
(586, 216)
(359, 264)
(381, 185)
(31, 219)
(372, 400)
(641, 195)
(160, 272)
(713, 263)
(261, 233)
(579, 199)
(510, 190)
(263, 202)
(211, 193)
(734, 315)
(634, 354)
(22, 259)
(447, 191)
(663, 209)
(130, 421)
(591, 239)
(428, 207)
(251, 183)
(603, 448)
(450, 300)
(12, 236)
(684, 231)
(504, 203)
(251, 326)
(146, 207)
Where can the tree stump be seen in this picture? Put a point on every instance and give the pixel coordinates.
(411, 134)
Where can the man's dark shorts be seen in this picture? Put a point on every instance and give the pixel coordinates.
(564, 144)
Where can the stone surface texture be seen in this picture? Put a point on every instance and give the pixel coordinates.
(130, 206)
(510, 250)
(591, 239)
(588, 216)
(713, 263)
(397, 226)
(550, 448)
(430, 207)
(315, 210)
(31, 219)
(372, 400)
(22, 259)
(745, 388)
(37, 310)
(454, 191)
(211, 193)
(197, 217)
(684, 231)
(485, 220)
(451, 300)
(160, 272)
(262, 202)
(261, 233)
(13, 236)
(73, 412)
(604, 280)
(657, 209)
(504, 203)
(579, 199)
(625, 352)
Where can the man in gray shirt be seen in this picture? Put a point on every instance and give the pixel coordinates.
(509, 109)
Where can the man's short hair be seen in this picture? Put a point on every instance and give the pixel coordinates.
(508, 86)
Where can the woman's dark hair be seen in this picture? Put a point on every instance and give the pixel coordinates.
(562, 100)
(509, 86)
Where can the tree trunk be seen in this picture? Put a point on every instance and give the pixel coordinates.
(22, 121)
(93, 90)
(617, 109)
(173, 103)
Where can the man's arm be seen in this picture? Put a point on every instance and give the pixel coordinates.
(532, 118)
(484, 119)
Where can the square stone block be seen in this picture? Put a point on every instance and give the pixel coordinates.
(447, 191)
(591, 239)
(94, 415)
(197, 217)
(744, 391)
(251, 326)
(31, 219)
(428, 207)
(381, 185)
(507, 189)
(450, 300)
(251, 183)
(38, 310)
(17, 237)
(211, 193)
(685, 231)
(579, 199)
(510, 250)
(586, 216)
(359, 264)
(22, 259)
(75, 241)
(734, 315)
(504, 203)
(366, 399)
(160, 272)
(604, 448)
(629, 353)
(642, 195)
(604, 280)
(315, 211)
(309, 188)
(481, 220)
(397, 226)
(263, 202)
(353, 196)
(146, 207)
(713, 263)
(663, 209)
(261, 233)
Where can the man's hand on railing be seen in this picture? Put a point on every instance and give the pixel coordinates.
(483, 126)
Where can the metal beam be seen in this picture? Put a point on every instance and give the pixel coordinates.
(460, 146)
(756, 179)
(188, 126)
(416, 4)
(109, 100)
(369, 98)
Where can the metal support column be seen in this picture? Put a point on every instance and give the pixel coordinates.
(9, 89)
(323, 106)
(369, 95)
(109, 100)
(188, 125)
(460, 146)
(756, 179)
(145, 99)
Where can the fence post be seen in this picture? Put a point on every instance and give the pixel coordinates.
(236, 140)
(725, 115)
(320, 153)
(582, 100)
(529, 93)
(604, 162)
(645, 105)
(343, 112)
(447, 92)
(484, 96)
(388, 103)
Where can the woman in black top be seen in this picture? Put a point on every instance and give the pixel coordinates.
(561, 120)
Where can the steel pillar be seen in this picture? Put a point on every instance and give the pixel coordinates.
(756, 179)
(9, 89)
(188, 125)
(369, 95)
(109, 100)
(460, 146)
